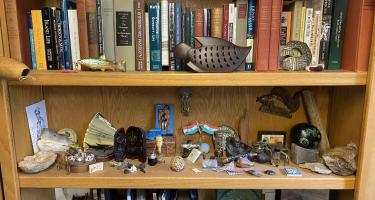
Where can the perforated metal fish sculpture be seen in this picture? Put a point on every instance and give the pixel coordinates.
(215, 55)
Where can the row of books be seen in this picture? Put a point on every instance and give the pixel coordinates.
(143, 35)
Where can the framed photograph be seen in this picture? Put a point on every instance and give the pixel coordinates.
(272, 137)
(165, 118)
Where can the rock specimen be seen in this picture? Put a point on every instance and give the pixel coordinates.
(52, 141)
(342, 160)
(38, 162)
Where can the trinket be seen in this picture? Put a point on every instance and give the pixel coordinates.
(295, 56)
(77, 161)
(97, 167)
(301, 155)
(215, 55)
(194, 155)
(209, 163)
(270, 172)
(177, 164)
(278, 96)
(234, 146)
(188, 147)
(131, 169)
(230, 169)
(185, 97)
(11, 69)
(135, 147)
(342, 160)
(165, 118)
(52, 141)
(195, 170)
(292, 171)
(100, 64)
(254, 173)
(70, 133)
(122, 165)
(306, 136)
(119, 145)
(102, 153)
(152, 159)
(38, 162)
(204, 148)
(244, 163)
(316, 167)
(106, 134)
(142, 167)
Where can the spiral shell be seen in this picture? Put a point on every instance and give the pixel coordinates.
(177, 164)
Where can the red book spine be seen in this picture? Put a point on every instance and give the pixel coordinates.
(225, 21)
(82, 28)
(199, 21)
(262, 40)
(274, 56)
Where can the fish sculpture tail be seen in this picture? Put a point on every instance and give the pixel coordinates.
(181, 50)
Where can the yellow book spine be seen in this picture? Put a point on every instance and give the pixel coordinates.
(40, 54)
(302, 24)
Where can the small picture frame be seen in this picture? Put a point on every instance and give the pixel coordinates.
(164, 119)
(272, 137)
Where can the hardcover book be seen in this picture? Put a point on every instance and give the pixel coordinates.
(140, 38)
(155, 36)
(74, 37)
(225, 22)
(55, 28)
(192, 27)
(99, 21)
(60, 39)
(274, 48)
(241, 26)
(108, 30)
(66, 34)
(309, 20)
(124, 33)
(82, 28)
(217, 22)
(286, 18)
(263, 35)
(31, 38)
(164, 34)
(325, 31)
(49, 42)
(199, 25)
(178, 30)
(296, 23)
(147, 28)
(92, 29)
(172, 63)
(40, 55)
(232, 23)
(250, 34)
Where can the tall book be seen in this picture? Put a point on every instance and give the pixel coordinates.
(124, 33)
(232, 23)
(99, 21)
(316, 37)
(337, 36)
(187, 38)
(66, 34)
(309, 20)
(82, 28)
(359, 26)
(216, 22)
(250, 34)
(286, 20)
(40, 53)
(326, 31)
(155, 36)
(241, 26)
(172, 61)
(147, 29)
(31, 38)
(274, 48)
(192, 27)
(164, 34)
(60, 39)
(262, 42)
(178, 30)
(49, 42)
(55, 23)
(92, 29)
(225, 21)
(297, 17)
(199, 24)
(108, 30)
(74, 38)
(205, 22)
(140, 36)
(302, 23)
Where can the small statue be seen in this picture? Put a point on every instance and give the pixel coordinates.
(119, 145)
(185, 96)
(135, 147)
(233, 147)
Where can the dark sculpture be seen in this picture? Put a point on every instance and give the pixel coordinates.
(119, 145)
(135, 147)
(185, 96)
(233, 147)
(215, 55)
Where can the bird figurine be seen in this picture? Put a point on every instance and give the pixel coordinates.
(215, 55)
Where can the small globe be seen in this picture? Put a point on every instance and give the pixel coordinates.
(204, 148)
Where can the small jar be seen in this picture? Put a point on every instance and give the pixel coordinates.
(152, 159)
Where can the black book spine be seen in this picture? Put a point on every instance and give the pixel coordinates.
(60, 41)
(56, 38)
(326, 31)
(49, 39)
(99, 14)
(209, 22)
(172, 63)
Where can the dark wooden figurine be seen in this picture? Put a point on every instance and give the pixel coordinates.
(119, 145)
(135, 147)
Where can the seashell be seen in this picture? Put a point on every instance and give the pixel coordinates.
(38, 162)
(52, 141)
(177, 164)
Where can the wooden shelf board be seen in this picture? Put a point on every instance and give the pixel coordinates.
(161, 176)
(280, 78)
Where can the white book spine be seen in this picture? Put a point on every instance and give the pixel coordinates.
(235, 26)
(231, 22)
(317, 31)
(308, 26)
(74, 37)
(108, 30)
(205, 18)
(147, 42)
(164, 33)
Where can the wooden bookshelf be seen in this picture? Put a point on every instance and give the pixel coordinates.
(281, 78)
(160, 176)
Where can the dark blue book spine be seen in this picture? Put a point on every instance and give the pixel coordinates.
(178, 30)
(155, 36)
(31, 38)
(66, 35)
(249, 65)
(60, 41)
(99, 15)
(187, 26)
(192, 28)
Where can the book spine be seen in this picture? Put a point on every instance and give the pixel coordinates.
(250, 34)
(325, 31)
(231, 23)
(209, 21)
(40, 55)
(296, 23)
(199, 25)
(65, 33)
(164, 34)
(263, 35)
(302, 24)
(284, 28)
(205, 21)
(60, 41)
(316, 41)
(308, 26)
(187, 26)
(92, 29)
(147, 28)
(172, 62)
(56, 37)
(49, 39)
(140, 38)
(225, 22)
(241, 26)
(192, 27)
(155, 36)
(108, 30)
(74, 38)
(99, 17)
(217, 22)
(178, 31)
(274, 48)
(337, 37)
(82, 28)
(31, 38)
(124, 33)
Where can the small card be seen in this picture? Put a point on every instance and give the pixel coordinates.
(96, 167)
(292, 171)
(195, 170)
(194, 155)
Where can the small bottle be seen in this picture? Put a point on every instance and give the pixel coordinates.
(275, 160)
(152, 159)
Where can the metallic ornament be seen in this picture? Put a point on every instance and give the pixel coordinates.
(99, 64)
(215, 55)
(177, 164)
(295, 56)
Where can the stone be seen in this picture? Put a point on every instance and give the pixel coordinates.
(38, 162)
(52, 141)
(316, 167)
